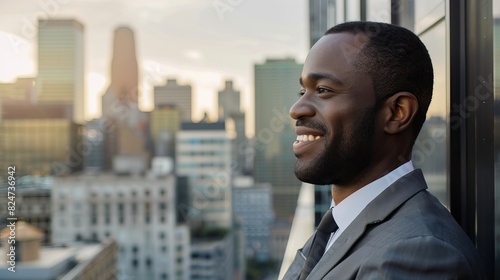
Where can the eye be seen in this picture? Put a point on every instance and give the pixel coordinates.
(302, 92)
(323, 90)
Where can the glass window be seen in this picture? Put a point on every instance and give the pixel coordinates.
(425, 7)
(496, 77)
(429, 151)
(352, 10)
(378, 10)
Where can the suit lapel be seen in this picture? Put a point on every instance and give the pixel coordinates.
(375, 212)
(293, 272)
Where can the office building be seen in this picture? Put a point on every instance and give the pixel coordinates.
(253, 210)
(212, 257)
(23, 89)
(203, 155)
(165, 122)
(229, 111)
(40, 139)
(174, 95)
(228, 100)
(32, 197)
(35, 262)
(61, 64)
(138, 212)
(276, 82)
(94, 140)
(121, 97)
(128, 133)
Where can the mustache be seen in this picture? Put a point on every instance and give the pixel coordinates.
(311, 124)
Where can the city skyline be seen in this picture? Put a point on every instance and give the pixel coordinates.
(190, 52)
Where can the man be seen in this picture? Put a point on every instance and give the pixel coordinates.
(365, 90)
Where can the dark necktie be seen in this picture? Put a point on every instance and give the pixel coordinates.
(326, 227)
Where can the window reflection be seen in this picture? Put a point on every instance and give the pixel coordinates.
(430, 152)
(496, 73)
(378, 10)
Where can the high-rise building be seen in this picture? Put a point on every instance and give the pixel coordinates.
(23, 89)
(253, 210)
(229, 101)
(138, 212)
(229, 111)
(61, 64)
(212, 258)
(165, 122)
(94, 141)
(173, 94)
(276, 90)
(120, 108)
(203, 154)
(40, 139)
(120, 102)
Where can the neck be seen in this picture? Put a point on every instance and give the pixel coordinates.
(341, 192)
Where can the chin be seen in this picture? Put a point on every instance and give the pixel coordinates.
(309, 174)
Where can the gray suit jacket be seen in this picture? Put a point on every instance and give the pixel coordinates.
(404, 233)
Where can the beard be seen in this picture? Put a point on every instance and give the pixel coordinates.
(344, 155)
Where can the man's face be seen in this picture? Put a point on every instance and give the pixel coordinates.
(335, 114)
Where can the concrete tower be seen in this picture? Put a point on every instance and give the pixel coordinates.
(124, 73)
(120, 100)
(120, 107)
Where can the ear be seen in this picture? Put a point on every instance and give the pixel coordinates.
(400, 109)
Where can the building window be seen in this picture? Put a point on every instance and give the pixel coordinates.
(93, 214)
(147, 212)
(135, 263)
(121, 213)
(107, 213)
(162, 206)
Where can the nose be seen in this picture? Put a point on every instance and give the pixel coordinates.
(301, 109)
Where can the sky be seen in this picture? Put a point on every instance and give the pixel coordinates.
(198, 42)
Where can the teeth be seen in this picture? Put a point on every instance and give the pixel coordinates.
(306, 138)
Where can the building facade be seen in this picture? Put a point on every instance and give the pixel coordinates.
(253, 210)
(61, 64)
(138, 212)
(32, 196)
(176, 95)
(164, 124)
(40, 139)
(275, 85)
(229, 111)
(203, 154)
(213, 258)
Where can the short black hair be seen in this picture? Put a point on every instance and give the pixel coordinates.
(397, 60)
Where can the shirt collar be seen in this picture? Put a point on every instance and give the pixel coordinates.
(351, 206)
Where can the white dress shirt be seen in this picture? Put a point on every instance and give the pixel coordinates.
(351, 206)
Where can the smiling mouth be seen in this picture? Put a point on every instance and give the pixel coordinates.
(307, 138)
